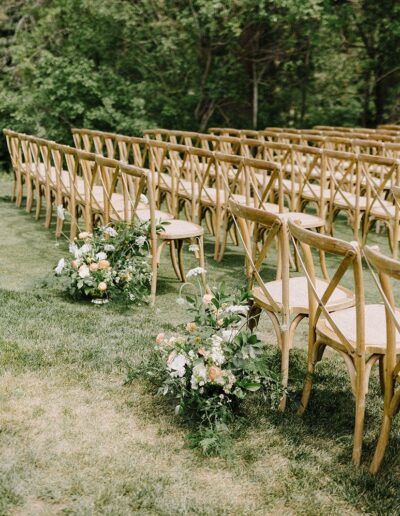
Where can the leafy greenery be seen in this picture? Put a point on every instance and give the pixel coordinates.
(111, 262)
(211, 366)
(122, 66)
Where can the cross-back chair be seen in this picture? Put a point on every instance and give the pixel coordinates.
(175, 232)
(284, 300)
(354, 332)
(387, 269)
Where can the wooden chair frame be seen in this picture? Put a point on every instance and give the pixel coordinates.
(359, 363)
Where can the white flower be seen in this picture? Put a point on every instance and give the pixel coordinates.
(84, 271)
(199, 376)
(177, 366)
(60, 266)
(73, 249)
(216, 354)
(60, 212)
(180, 301)
(140, 241)
(101, 256)
(229, 334)
(85, 249)
(109, 248)
(237, 309)
(110, 232)
(195, 272)
(144, 199)
(193, 248)
(229, 379)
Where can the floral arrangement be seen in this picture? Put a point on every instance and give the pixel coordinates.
(111, 262)
(213, 363)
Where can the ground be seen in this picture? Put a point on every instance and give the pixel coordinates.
(75, 440)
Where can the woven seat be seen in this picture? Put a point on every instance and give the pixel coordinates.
(375, 328)
(298, 295)
(180, 229)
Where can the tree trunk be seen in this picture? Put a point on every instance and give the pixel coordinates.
(255, 80)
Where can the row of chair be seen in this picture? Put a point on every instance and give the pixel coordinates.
(319, 133)
(338, 316)
(96, 189)
(282, 177)
(333, 181)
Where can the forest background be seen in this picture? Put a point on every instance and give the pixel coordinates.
(124, 65)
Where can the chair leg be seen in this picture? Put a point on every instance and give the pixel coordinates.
(312, 359)
(49, 214)
(181, 264)
(382, 444)
(19, 192)
(38, 205)
(154, 270)
(174, 260)
(359, 422)
(284, 369)
(29, 195)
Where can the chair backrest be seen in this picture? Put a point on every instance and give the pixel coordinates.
(349, 254)
(14, 148)
(387, 269)
(129, 149)
(257, 226)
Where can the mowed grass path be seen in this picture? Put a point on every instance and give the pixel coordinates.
(75, 440)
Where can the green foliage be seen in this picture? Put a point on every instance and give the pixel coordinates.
(109, 263)
(125, 65)
(210, 367)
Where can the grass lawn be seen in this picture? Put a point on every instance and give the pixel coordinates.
(75, 440)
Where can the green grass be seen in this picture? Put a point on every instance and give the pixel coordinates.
(75, 440)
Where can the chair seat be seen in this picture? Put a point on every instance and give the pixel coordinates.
(345, 320)
(298, 295)
(180, 229)
(143, 214)
(306, 220)
(315, 192)
(348, 200)
(383, 212)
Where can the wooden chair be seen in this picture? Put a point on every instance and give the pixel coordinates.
(121, 203)
(387, 269)
(284, 300)
(354, 332)
(15, 151)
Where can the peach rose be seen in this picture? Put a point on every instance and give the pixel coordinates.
(83, 235)
(75, 264)
(201, 351)
(102, 286)
(93, 267)
(207, 298)
(104, 264)
(214, 372)
(160, 337)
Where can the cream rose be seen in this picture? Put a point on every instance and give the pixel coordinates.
(104, 264)
(214, 373)
(102, 286)
(93, 267)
